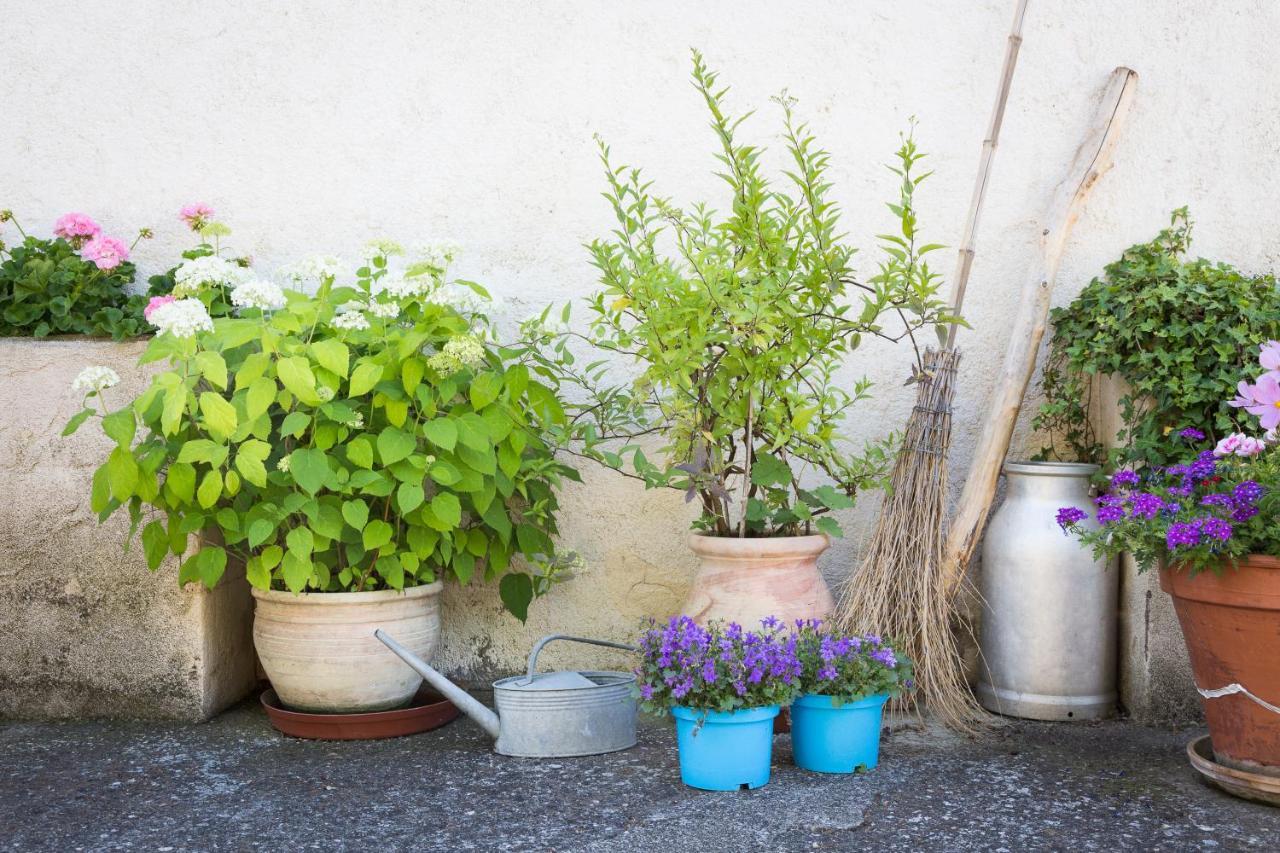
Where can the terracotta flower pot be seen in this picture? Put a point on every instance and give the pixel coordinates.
(745, 580)
(320, 654)
(1231, 623)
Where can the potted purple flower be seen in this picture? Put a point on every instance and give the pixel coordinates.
(1209, 526)
(724, 686)
(845, 681)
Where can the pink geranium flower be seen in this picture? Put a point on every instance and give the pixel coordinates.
(76, 228)
(196, 215)
(1262, 399)
(1239, 444)
(156, 303)
(106, 253)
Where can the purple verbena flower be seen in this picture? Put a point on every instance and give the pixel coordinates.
(1192, 434)
(1069, 515)
(1182, 535)
(1125, 478)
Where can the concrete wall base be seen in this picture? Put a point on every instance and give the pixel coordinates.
(87, 630)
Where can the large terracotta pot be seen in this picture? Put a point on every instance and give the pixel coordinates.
(745, 580)
(1231, 623)
(319, 651)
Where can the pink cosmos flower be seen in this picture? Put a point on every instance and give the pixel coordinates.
(1270, 355)
(156, 303)
(1239, 444)
(1261, 399)
(76, 228)
(106, 253)
(196, 215)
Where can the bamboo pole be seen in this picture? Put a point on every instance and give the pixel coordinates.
(964, 260)
(1092, 160)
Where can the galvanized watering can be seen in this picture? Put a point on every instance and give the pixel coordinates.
(548, 715)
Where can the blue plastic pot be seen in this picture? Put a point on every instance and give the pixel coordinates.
(830, 739)
(725, 750)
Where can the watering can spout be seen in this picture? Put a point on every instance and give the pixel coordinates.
(485, 718)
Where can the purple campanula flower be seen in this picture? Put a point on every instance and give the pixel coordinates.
(828, 673)
(885, 656)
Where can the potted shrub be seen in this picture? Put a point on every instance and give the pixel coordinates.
(1209, 525)
(845, 681)
(724, 686)
(738, 325)
(353, 448)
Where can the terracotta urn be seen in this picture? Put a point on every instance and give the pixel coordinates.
(744, 580)
(1231, 624)
(319, 651)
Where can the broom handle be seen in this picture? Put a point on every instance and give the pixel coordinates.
(964, 262)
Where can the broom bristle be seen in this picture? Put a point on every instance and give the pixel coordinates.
(897, 590)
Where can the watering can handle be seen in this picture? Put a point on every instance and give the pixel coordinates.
(533, 655)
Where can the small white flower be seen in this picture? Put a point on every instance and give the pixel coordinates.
(95, 379)
(466, 351)
(312, 271)
(379, 246)
(385, 310)
(325, 393)
(464, 300)
(356, 421)
(353, 320)
(400, 286)
(283, 464)
(258, 293)
(208, 271)
(437, 255)
(182, 318)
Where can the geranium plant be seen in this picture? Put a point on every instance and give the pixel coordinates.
(1205, 513)
(720, 667)
(847, 666)
(365, 437)
(738, 325)
(73, 283)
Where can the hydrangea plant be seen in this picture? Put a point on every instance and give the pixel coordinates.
(73, 283)
(1205, 513)
(720, 667)
(368, 436)
(205, 273)
(846, 666)
(739, 325)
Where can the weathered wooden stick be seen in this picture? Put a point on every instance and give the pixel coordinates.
(1092, 160)
(964, 261)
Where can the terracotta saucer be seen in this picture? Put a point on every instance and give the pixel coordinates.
(1240, 783)
(428, 710)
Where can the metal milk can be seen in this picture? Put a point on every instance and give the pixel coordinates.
(1049, 613)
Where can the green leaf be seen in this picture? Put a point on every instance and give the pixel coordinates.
(832, 498)
(219, 415)
(155, 544)
(485, 388)
(76, 420)
(295, 374)
(122, 474)
(300, 541)
(516, 591)
(211, 562)
(310, 469)
(366, 375)
(120, 427)
(360, 452)
(394, 445)
(295, 423)
(356, 513)
(213, 368)
(828, 525)
(260, 396)
(409, 497)
(447, 509)
(441, 432)
(175, 406)
(376, 534)
(296, 570)
(473, 432)
(260, 531)
(768, 470)
(332, 355)
(202, 450)
(411, 374)
(210, 489)
(251, 468)
(181, 480)
(445, 474)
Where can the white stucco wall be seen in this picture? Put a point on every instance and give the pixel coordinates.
(313, 127)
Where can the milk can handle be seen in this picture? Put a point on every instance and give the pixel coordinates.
(533, 655)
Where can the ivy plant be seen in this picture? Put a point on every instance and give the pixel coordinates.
(365, 437)
(1179, 332)
(738, 325)
(48, 286)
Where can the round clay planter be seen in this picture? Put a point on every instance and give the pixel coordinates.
(320, 654)
(744, 580)
(1231, 624)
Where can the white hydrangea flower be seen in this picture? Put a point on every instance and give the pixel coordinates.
(400, 286)
(95, 379)
(460, 352)
(182, 318)
(464, 300)
(325, 393)
(352, 320)
(283, 464)
(312, 270)
(208, 271)
(384, 310)
(258, 293)
(438, 255)
(357, 421)
(381, 246)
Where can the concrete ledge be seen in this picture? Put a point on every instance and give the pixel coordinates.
(88, 630)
